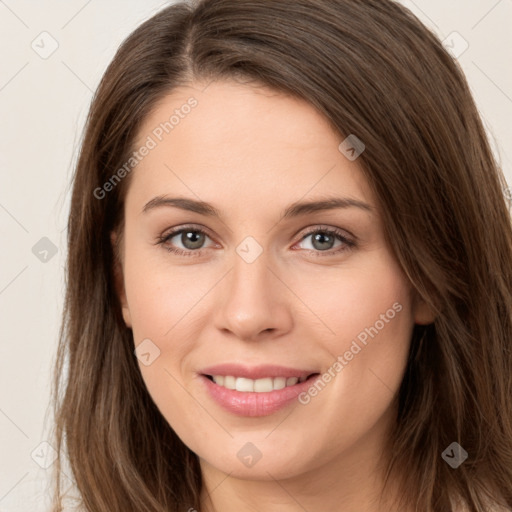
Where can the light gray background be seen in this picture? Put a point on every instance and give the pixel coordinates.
(43, 103)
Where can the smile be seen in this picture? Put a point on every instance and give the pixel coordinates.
(255, 391)
(263, 385)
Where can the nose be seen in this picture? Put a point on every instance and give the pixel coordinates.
(253, 301)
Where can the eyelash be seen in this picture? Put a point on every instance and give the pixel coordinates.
(347, 243)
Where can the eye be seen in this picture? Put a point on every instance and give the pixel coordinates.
(323, 241)
(184, 240)
(327, 241)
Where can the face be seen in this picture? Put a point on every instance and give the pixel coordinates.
(272, 324)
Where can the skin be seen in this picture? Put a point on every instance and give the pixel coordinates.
(251, 152)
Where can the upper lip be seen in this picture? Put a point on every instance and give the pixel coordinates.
(256, 372)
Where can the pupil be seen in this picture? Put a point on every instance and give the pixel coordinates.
(322, 239)
(192, 239)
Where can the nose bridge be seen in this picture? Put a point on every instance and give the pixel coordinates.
(252, 301)
(250, 279)
(250, 267)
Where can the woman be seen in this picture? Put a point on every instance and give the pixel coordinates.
(289, 275)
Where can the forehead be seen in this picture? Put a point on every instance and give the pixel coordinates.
(239, 142)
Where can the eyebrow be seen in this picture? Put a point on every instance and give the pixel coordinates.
(294, 210)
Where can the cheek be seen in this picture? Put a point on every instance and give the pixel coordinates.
(162, 302)
(161, 298)
(364, 327)
(354, 300)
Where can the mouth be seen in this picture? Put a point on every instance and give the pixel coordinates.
(262, 385)
(255, 391)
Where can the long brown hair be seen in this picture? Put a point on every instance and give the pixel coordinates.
(372, 69)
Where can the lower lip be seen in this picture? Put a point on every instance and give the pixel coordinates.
(244, 403)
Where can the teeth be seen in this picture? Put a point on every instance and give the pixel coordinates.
(229, 382)
(279, 382)
(258, 386)
(244, 384)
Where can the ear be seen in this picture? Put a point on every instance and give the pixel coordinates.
(423, 313)
(119, 280)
